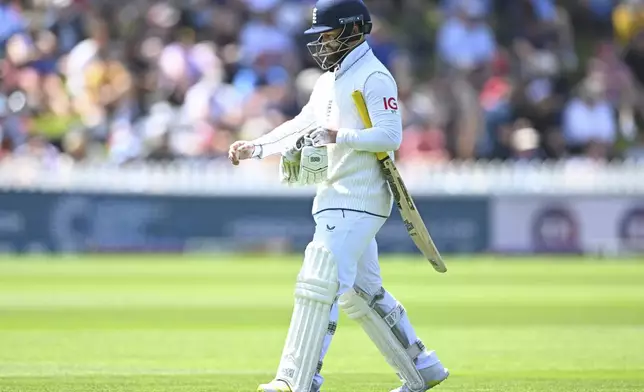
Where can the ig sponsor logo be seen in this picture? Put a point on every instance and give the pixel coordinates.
(554, 229)
(631, 229)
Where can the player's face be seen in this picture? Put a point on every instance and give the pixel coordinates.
(329, 48)
(330, 40)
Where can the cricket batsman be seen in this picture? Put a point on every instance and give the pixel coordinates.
(326, 145)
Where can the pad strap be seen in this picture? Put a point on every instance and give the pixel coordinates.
(392, 319)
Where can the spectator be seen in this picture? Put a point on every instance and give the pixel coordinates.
(262, 37)
(600, 14)
(541, 89)
(634, 57)
(628, 19)
(121, 81)
(11, 22)
(64, 19)
(622, 89)
(496, 101)
(160, 149)
(525, 142)
(460, 115)
(465, 41)
(451, 7)
(589, 119)
(529, 20)
(38, 149)
(82, 54)
(76, 146)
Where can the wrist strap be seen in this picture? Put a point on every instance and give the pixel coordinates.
(257, 152)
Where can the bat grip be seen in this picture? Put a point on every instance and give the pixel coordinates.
(382, 155)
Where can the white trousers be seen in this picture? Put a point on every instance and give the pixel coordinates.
(351, 238)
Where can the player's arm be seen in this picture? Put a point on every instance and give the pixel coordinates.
(280, 138)
(381, 97)
(285, 135)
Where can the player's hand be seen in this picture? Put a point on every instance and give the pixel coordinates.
(323, 136)
(240, 150)
(293, 154)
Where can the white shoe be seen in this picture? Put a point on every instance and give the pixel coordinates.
(274, 386)
(432, 375)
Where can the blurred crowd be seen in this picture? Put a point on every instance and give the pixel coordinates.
(122, 81)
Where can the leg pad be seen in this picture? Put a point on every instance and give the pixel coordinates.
(381, 328)
(315, 292)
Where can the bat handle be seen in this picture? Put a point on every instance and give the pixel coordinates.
(381, 155)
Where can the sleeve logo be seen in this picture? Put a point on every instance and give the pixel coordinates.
(390, 103)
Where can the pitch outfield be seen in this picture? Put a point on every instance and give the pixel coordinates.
(217, 324)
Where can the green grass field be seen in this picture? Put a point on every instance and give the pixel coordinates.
(157, 324)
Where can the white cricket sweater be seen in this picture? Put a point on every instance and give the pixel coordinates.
(354, 178)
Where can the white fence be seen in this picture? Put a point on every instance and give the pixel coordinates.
(254, 177)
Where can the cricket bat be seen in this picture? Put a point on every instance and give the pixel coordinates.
(408, 212)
